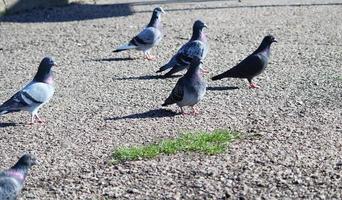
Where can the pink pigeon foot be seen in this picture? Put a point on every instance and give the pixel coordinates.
(253, 86)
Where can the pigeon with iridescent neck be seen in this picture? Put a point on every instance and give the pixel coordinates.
(12, 179)
(35, 94)
(190, 88)
(147, 38)
(195, 47)
(251, 66)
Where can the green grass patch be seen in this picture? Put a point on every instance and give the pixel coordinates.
(209, 143)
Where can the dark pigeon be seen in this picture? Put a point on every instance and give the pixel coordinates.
(190, 88)
(147, 38)
(251, 66)
(35, 94)
(12, 180)
(195, 47)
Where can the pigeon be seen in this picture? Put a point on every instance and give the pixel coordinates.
(190, 88)
(147, 38)
(35, 94)
(195, 47)
(12, 179)
(251, 66)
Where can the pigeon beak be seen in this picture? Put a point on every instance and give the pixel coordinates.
(55, 64)
(274, 40)
(206, 26)
(163, 11)
(35, 162)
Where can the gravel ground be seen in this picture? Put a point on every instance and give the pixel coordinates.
(291, 128)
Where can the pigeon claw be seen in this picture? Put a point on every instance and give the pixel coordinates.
(253, 86)
(150, 57)
(204, 71)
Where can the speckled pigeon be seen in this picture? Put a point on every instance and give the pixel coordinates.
(195, 47)
(251, 66)
(35, 94)
(190, 88)
(12, 180)
(147, 38)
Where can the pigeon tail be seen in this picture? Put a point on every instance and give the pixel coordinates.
(232, 73)
(175, 69)
(5, 109)
(218, 77)
(125, 47)
(168, 101)
(166, 104)
(163, 68)
(2, 112)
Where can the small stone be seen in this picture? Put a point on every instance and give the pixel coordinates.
(339, 164)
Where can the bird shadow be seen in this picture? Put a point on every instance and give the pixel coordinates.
(156, 113)
(71, 12)
(7, 124)
(221, 88)
(145, 77)
(81, 11)
(114, 59)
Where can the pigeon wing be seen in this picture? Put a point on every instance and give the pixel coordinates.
(190, 50)
(177, 93)
(32, 94)
(146, 37)
(247, 68)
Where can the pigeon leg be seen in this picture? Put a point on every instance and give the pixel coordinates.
(32, 120)
(148, 56)
(182, 111)
(39, 119)
(253, 85)
(204, 71)
(194, 111)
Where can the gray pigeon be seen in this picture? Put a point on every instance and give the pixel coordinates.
(12, 180)
(35, 94)
(195, 47)
(147, 38)
(251, 66)
(190, 88)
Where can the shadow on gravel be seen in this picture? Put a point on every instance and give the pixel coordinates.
(146, 77)
(7, 124)
(114, 59)
(220, 88)
(156, 113)
(78, 12)
(71, 12)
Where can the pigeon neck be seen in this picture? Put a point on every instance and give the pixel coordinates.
(44, 75)
(197, 34)
(264, 47)
(18, 172)
(193, 70)
(155, 19)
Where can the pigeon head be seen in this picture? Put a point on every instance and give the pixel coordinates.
(265, 44)
(28, 160)
(20, 169)
(158, 11)
(197, 30)
(44, 69)
(269, 39)
(199, 25)
(25, 162)
(154, 22)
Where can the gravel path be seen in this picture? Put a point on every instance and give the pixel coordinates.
(291, 145)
